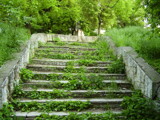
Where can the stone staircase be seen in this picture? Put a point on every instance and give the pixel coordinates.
(65, 82)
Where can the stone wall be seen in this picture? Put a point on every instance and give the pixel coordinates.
(9, 72)
(140, 73)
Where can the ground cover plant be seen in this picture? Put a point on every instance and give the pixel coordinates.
(87, 116)
(144, 41)
(11, 38)
(137, 107)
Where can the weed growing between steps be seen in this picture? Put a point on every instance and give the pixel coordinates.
(19, 93)
(51, 106)
(87, 116)
(137, 107)
(26, 75)
(99, 54)
(117, 67)
(6, 112)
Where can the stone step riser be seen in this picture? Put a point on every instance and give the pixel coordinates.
(66, 48)
(64, 69)
(32, 115)
(79, 93)
(76, 56)
(65, 63)
(111, 105)
(74, 52)
(61, 85)
(62, 76)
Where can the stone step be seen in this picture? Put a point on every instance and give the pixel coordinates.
(61, 62)
(91, 100)
(71, 42)
(60, 75)
(33, 115)
(67, 48)
(123, 84)
(76, 69)
(94, 103)
(83, 93)
(71, 56)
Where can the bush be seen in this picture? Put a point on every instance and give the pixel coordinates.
(10, 40)
(144, 41)
(137, 107)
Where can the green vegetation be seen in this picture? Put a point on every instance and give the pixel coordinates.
(152, 12)
(6, 112)
(26, 75)
(142, 40)
(19, 93)
(11, 38)
(75, 116)
(50, 106)
(117, 67)
(65, 16)
(137, 107)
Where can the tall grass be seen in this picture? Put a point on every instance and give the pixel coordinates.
(11, 39)
(144, 41)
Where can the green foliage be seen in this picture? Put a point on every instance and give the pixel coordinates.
(66, 16)
(137, 107)
(11, 38)
(56, 56)
(116, 67)
(26, 75)
(75, 116)
(85, 62)
(19, 93)
(142, 40)
(152, 12)
(51, 106)
(6, 112)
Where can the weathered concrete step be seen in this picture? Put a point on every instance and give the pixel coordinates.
(94, 103)
(67, 48)
(86, 93)
(32, 115)
(50, 84)
(74, 52)
(61, 62)
(71, 42)
(44, 75)
(93, 100)
(93, 69)
(72, 56)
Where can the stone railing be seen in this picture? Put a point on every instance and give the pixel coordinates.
(70, 38)
(9, 72)
(140, 73)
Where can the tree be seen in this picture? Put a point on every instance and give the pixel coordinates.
(152, 8)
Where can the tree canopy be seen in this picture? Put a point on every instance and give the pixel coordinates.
(65, 16)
